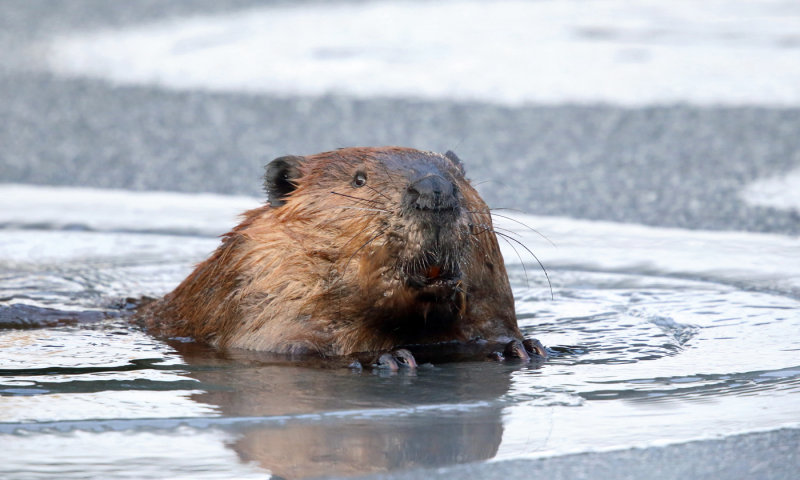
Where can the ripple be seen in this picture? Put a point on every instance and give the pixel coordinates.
(637, 357)
(700, 386)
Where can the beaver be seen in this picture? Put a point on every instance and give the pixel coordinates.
(357, 251)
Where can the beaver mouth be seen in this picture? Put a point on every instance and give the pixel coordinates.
(434, 277)
(443, 211)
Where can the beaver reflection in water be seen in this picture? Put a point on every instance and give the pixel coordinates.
(361, 253)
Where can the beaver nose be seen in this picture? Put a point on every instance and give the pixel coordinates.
(432, 193)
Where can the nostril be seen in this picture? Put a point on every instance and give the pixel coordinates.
(412, 193)
(431, 193)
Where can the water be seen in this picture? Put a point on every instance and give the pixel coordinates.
(658, 336)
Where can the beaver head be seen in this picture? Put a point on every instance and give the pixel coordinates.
(401, 218)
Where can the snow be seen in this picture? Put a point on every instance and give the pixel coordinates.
(510, 52)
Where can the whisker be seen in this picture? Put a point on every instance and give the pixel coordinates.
(552, 297)
(507, 209)
(537, 232)
(378, 192)
(507, 230)
(525, 270)
(486, 228)
(344, 207)
(488, 181)
(356, 198)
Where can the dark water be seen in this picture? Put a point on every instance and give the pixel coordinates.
(639, 359)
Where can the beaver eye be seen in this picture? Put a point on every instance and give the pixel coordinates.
(360, 179)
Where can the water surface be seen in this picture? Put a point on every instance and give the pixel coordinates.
(644, 353)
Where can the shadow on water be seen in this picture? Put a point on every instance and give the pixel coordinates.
(20, 315)
(347, 422)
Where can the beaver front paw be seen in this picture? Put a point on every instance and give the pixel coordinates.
(395, 360)
(527, 350)
(535, 348)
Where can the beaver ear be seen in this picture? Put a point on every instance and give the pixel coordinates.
(279, 180)
(456, 161)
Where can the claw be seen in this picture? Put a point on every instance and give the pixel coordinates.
(355, 365)
(515, 349)
(535, 347)
(404, 358)
(496, 356)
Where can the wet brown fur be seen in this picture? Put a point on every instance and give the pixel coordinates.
(319, 274)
